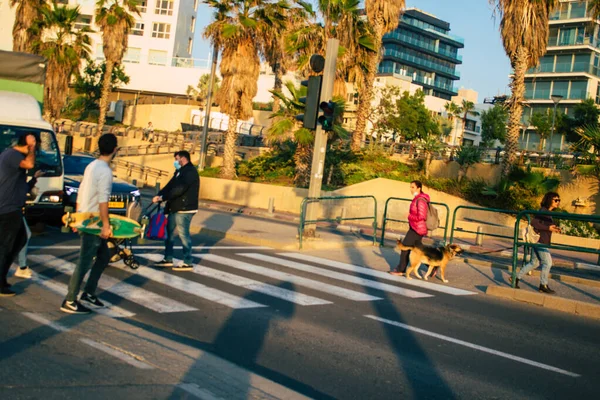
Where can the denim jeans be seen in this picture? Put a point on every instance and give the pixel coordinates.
(92, 246)
(12, 239)
(181, 221)
(22, 258)
(539, 256)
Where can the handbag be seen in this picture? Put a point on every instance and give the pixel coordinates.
(530, 235)
(157, 227)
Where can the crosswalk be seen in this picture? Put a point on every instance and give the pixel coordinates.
(219, 278)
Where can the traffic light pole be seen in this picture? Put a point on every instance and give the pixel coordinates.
(320, 147)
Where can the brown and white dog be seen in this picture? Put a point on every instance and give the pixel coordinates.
(433, 256)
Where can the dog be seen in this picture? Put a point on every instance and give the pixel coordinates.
(433, 256)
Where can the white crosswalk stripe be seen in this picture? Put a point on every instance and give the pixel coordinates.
(379, 274)
(283, 276)
(337, 275)
(256, 286)
(132, 293)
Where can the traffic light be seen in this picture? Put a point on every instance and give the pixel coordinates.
(326, 120)
(311, 102)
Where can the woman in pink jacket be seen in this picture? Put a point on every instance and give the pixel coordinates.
(417, 215)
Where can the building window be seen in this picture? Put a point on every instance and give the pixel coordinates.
(190, 44)
(193, 25)
(164, 7)
(142, 5)
(157, 57)
(138, 29)
(132, 55)
(161, 30)
(83, 21)
(99, 52)
(470, 125)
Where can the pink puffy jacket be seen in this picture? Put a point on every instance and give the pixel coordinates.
(417, 214)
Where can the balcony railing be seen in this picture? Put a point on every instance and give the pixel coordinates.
(545, 95)
(427, 27)
(583, 66)
(557, 41)
(422, 62)
(424, 44)
(419, 79)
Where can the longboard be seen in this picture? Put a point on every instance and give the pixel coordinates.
(122, 227)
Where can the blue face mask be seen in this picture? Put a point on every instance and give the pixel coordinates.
(177, 165)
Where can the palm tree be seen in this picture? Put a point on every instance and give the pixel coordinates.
(28, 12)
(467, 108)
(454, 112)
(200, 92)
(64, 47)
(524, 30)
(236, 30)
(273, 40)
(383, 16)
(115, 22)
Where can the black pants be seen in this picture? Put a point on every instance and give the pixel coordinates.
(411, 239)
(12, 239)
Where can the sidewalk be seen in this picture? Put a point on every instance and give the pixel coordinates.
(484, 273)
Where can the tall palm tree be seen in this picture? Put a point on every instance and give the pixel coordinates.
(65, 47)
(454, 113)
(236, 30)
(524, 30)
(273, 40)
(28, 12)
(467, 108)
(384, 16)
(115, 21)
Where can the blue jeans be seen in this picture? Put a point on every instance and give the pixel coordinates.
(182, 222)
(22, 258)
(539, 256)
(92, 247)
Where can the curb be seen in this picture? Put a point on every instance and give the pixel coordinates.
(555, 303)
(555, 276)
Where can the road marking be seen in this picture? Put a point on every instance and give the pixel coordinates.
(380, 274)
(474, 346)
(116, 353)
(61, 289)
(284, 276)
(257, 286)
(191, 287)
(140, 247)
(43, 321)
(339, 276)
(129, 292)
(196, 391)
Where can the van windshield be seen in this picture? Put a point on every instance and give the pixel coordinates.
(47, 156)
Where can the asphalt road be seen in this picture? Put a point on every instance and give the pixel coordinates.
(321, 329)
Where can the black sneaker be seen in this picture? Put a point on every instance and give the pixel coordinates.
(164, 263)
(91, 299)
(6, 292)
(74, 307)
(183, 267)
(546, 289)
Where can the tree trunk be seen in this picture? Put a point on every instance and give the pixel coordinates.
(427, 164)
(106, 89)
(228, 170)
(302, 159)
(515, 108)
(277, 86)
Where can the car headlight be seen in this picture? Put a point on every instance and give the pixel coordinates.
(136, 193)
(51, 197)
(69, 190)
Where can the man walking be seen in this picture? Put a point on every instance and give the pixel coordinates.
(181, 195)
(94, 193)
(14, 163)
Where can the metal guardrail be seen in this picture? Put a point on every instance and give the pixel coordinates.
(308, 200)
(385, 217)
(527, 214)
(483, 209)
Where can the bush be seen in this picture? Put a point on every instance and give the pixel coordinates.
(578, 228)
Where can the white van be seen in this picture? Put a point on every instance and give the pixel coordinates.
(21, 112)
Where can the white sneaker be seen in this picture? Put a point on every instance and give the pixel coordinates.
(24, 273)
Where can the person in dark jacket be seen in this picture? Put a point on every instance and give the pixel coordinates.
(417, 217)
(544, 226)
(181, 195)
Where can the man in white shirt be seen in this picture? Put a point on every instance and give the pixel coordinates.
(93, 196)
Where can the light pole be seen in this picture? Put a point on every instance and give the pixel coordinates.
(211, 82)
(556, 98)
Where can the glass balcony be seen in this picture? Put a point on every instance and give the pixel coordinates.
(419, 79)
(422, 62)
(432, 29)
(556, 41)
(424, 44)
(545, 95)
(566, 68)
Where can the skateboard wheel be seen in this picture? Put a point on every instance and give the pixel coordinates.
(134, 265)
(65, 229)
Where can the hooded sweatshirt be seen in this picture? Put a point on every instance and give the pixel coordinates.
(417, 214)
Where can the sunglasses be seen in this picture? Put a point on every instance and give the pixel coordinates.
(556, 200)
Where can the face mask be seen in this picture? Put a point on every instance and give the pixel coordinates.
(177, 165)
(415, 194)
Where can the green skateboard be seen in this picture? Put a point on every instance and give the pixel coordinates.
(122, 227)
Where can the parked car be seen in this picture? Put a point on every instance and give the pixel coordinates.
(122, 193)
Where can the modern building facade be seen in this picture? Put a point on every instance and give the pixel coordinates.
(422, 48)
(569, 71)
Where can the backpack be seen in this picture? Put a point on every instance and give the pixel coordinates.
(530, 235)
(433, 220)
(157, 227)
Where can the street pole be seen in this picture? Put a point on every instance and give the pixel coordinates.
(211, 81)
(553, 124)
(320, 147)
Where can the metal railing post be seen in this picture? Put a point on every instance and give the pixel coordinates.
(383, 223)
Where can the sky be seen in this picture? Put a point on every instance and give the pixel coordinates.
(485, 66)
